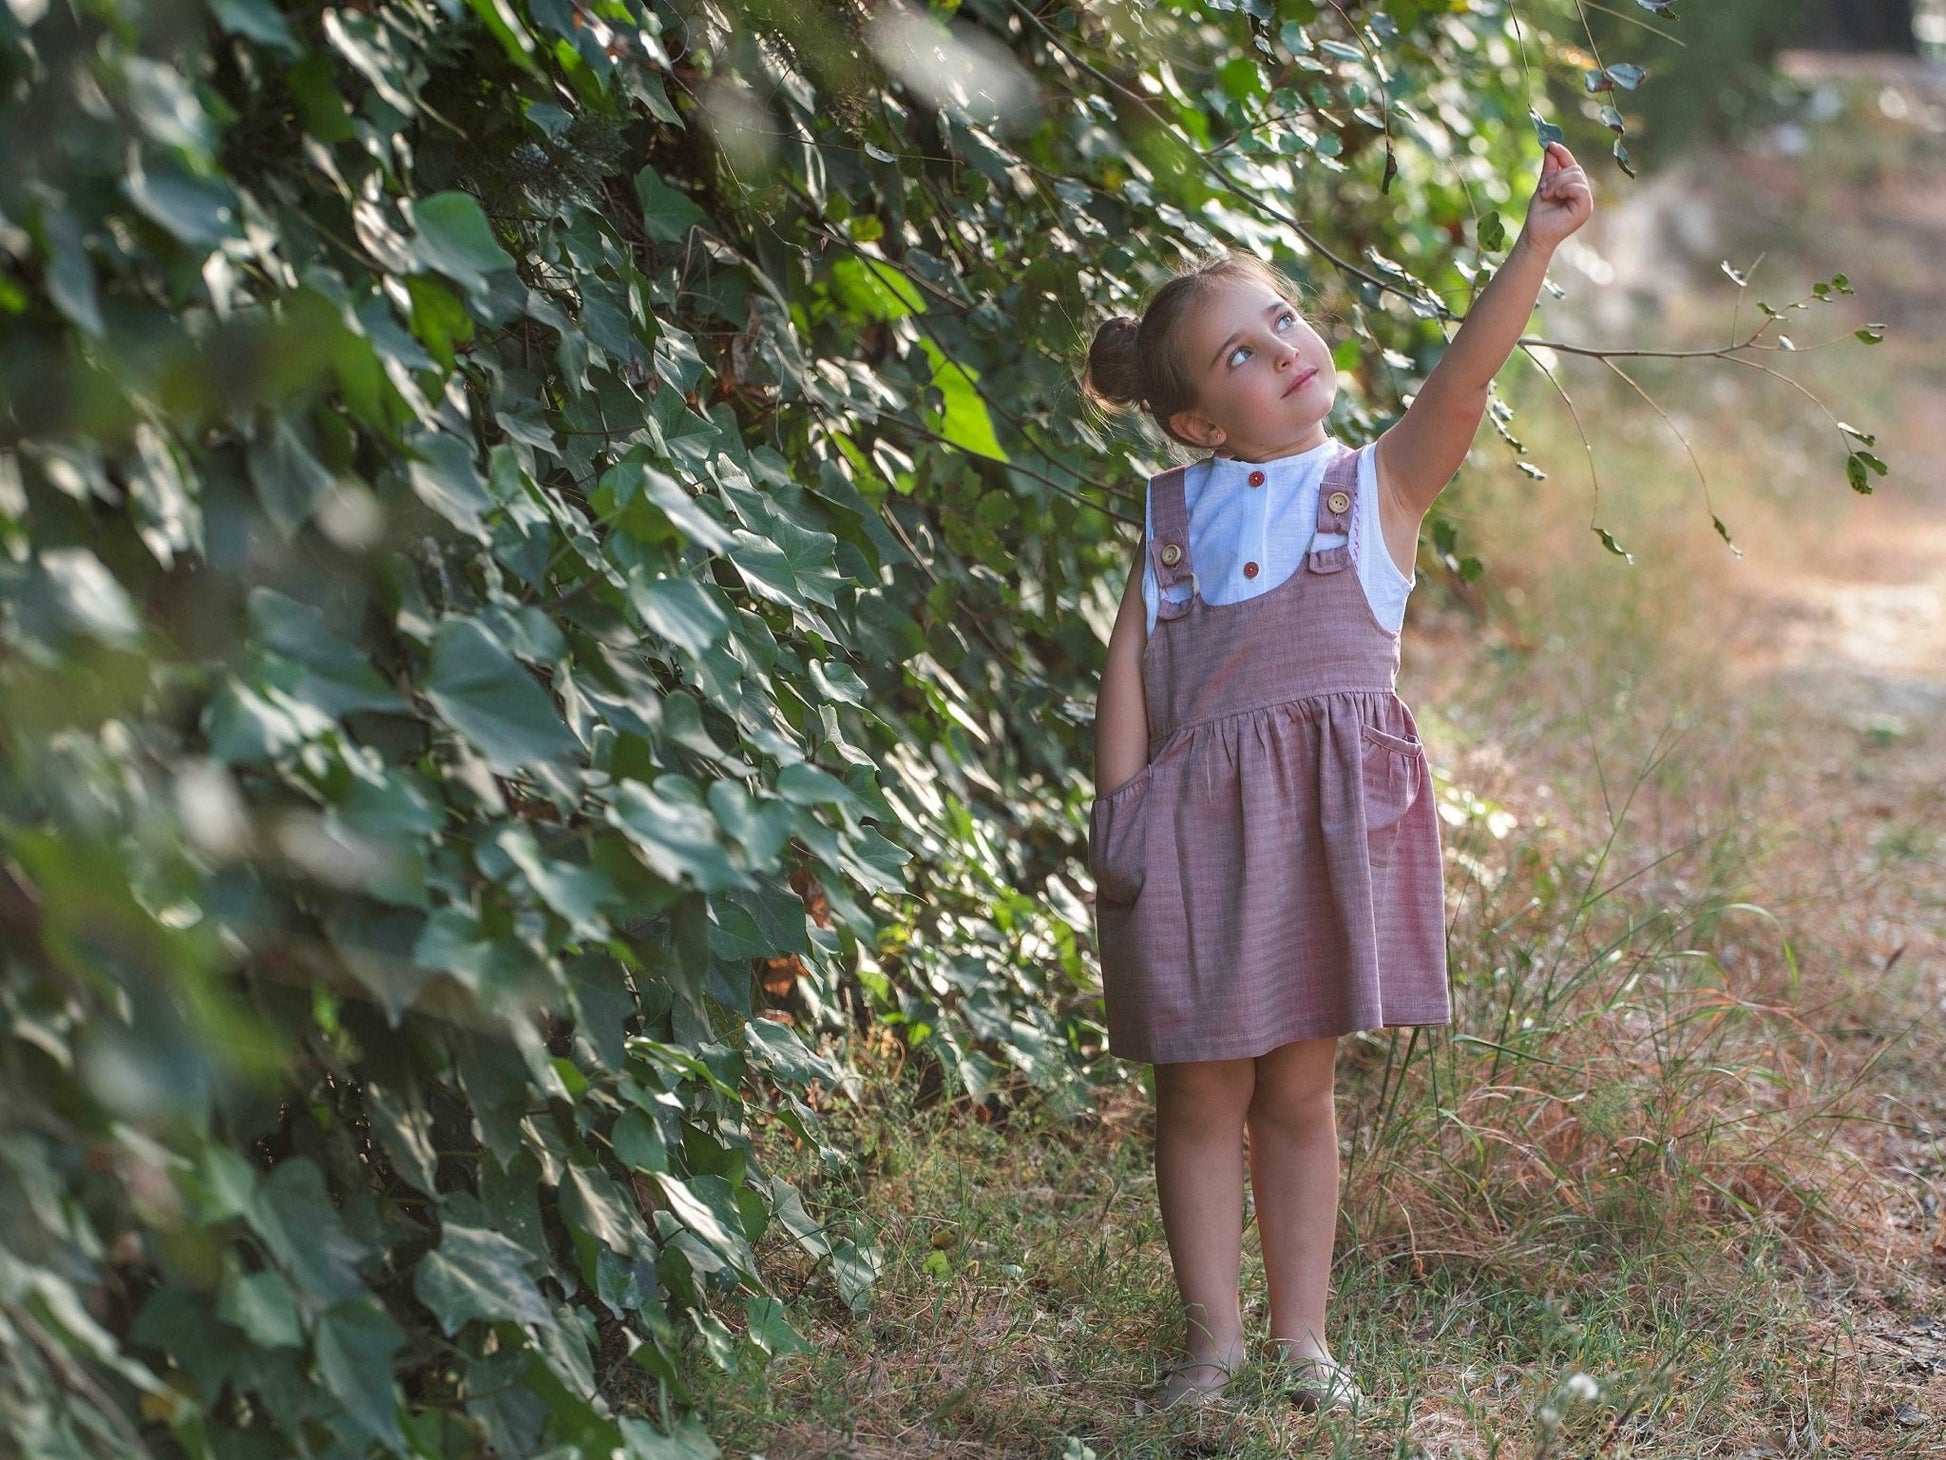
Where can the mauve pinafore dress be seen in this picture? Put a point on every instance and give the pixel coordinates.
(1273, 874)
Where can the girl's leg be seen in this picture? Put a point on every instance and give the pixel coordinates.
(1294, 1177)
(1199, 1114)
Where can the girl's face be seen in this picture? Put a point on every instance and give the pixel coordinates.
(1263, 377)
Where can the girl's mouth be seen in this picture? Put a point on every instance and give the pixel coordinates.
(1304, 378)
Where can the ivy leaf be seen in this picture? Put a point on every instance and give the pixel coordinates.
(289, 479)
(768, 1326)
(962, 414)
(682, 611)
(856, 1269)
(70, 273)
(577, 893)
(666, 214)
(706, 1206)
(674, 832)
(792, 567)
(478, 1274)
(294, 1215)
(1545, 130)
(355, 1343)
(336, 677)
(256, 20)
(592, 1203)
(1627, 75)
(192, 209)
(445, 477)
(483, 692)
(453, 237)
(262, 1305)
(638, 1142)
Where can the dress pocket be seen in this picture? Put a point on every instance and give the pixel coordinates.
(1115, 841)
(1394, 771)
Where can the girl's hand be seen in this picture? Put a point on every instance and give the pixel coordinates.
(1562, 201)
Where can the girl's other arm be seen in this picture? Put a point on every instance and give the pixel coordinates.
(1121, 714)
(1422, 450)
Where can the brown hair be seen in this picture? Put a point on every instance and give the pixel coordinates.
(1140, 362)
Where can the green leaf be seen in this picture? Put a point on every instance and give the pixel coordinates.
(1608, 541)
(453, 237)
(1491, 232)
(403, 1128)
(507, 28)
(1545, 130)
(1627, 75)
(475, 1274)
(856, 1269)
(1858, 466)
(336, 678)
(667, 214)
(962, 414)
(445, 477)
(707, 1207)
(674, 832)
(793, 566)
(355, 1343)
(1871, 334)
(638, 1142)
(768, 1326)
(261, 1304)
(192, 209)
(643, 1441)
(294, 1215)
(70, 273)
(577, 893)
(682, 611)
(483, 692)
(592, 1203)
(289, 479)
(256, 20)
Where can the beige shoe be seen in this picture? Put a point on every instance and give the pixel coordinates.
(1321, 1386)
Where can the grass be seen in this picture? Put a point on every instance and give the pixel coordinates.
(1664, 1187)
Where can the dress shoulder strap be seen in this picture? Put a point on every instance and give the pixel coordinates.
(1337, 495)
(1169, 547)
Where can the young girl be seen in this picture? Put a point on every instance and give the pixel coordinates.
(1265, 850)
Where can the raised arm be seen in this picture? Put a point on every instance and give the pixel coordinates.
(1422, 450)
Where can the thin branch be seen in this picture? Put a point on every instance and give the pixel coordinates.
(1587, 446)
(1702, 477)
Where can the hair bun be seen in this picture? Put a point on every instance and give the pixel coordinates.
(1115, 374)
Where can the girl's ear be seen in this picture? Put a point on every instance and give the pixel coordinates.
(1197, 427)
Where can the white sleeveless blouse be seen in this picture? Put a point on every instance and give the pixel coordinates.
(1247, 536)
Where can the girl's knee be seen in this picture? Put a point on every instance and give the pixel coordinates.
(1295, 1096)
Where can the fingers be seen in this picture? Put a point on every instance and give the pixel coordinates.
(1568, 184)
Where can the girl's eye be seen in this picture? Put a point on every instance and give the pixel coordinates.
(1239, 355)
(1284, 321)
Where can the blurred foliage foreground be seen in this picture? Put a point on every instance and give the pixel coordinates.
(549, 569)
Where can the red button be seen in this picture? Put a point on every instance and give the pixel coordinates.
(1249, 570)
(1256, 479)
